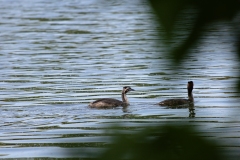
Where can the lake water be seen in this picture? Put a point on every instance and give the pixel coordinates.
(57, 56)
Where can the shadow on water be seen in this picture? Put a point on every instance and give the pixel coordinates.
(189, 106)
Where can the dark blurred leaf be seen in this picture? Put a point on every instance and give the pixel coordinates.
(167, 12)
(207, 12)
(163, 143)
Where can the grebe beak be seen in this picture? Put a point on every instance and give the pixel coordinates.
(130, 89)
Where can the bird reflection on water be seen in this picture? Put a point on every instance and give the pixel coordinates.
(182, 103)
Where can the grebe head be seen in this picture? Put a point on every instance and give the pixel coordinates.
(127, 89)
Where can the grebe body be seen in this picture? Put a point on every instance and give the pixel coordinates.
(110, 102)
(178, 102)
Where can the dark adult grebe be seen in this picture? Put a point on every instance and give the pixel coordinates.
(110, 102)
(177, 102)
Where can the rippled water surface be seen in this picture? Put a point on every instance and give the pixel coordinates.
(57, 56)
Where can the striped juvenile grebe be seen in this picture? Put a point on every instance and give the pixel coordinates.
(177, 102)
(110, 102)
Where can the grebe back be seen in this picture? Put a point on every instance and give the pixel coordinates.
(110, 102)
(177, 102)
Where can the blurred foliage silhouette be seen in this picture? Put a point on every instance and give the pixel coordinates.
(206, 13)
(178, 142)
(163, 143)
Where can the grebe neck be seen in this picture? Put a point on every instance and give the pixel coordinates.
(190, 95)
(124, 98)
